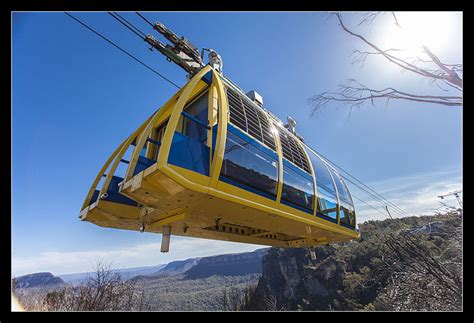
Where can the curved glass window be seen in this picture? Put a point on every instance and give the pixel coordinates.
(298, 188)
(189, 127)
(326, 192)
(346, 210)
(249, 165)
(189, 146)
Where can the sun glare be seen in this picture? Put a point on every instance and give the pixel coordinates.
(434, 30)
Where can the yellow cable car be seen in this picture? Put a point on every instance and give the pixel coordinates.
(212, 163)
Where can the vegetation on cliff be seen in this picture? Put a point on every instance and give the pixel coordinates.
(404, 264)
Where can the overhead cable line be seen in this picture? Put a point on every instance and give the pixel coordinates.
(372, 192)
(128, 25)
(124, 51)
(373, 207)
(382, 200)
(372, 195)
(144, 18)
(378, 197)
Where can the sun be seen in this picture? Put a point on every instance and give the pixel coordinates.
(417, 29)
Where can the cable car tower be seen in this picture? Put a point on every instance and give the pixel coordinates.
(456, 194)
(214, 163)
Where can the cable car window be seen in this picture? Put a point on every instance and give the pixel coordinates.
(249, 165)
(155, 143)
(189, 146)
(151, 147)
(298, 188)
(327, 198)
(346, 212)
(190, 127)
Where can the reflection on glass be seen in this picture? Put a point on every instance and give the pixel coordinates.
(247, 164)
(298, 187)
(347, 213)
(327, 198)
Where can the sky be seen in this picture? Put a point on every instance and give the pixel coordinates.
(76, 97)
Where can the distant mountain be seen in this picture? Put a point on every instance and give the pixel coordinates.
(173, 268)
(238, 264)
(39, 280)
(178, 267)
(126, 273)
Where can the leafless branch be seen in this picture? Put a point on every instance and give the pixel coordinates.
(401, 62)
(354, 95)
(371, 16)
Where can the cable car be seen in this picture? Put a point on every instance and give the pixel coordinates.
(213, 163)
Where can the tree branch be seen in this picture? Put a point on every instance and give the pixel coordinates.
(355, 94)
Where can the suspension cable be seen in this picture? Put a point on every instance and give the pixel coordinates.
(373, 207)
(124, 51)
(371, 192)
(144, 18)
(372, 195)
(127, 24)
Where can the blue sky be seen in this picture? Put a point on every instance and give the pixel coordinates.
(75, 98)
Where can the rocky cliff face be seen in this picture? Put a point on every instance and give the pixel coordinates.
(294, 280)
(356, 276)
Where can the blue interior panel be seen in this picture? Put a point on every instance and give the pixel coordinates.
(207, 77)
(322, 216)
(293, 205)
(189, 153)
(94, 197)
(142, 164)
(113, 194)
(246, 187)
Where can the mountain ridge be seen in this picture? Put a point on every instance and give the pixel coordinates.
(232, 264)
(40, 279)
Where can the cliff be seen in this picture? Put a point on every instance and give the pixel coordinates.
(412, 263)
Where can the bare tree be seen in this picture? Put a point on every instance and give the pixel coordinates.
(418, 277)
(104, 290)
(271, 304)
(354, 94)
(224, 300)
(248, 292)
(234, 298)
